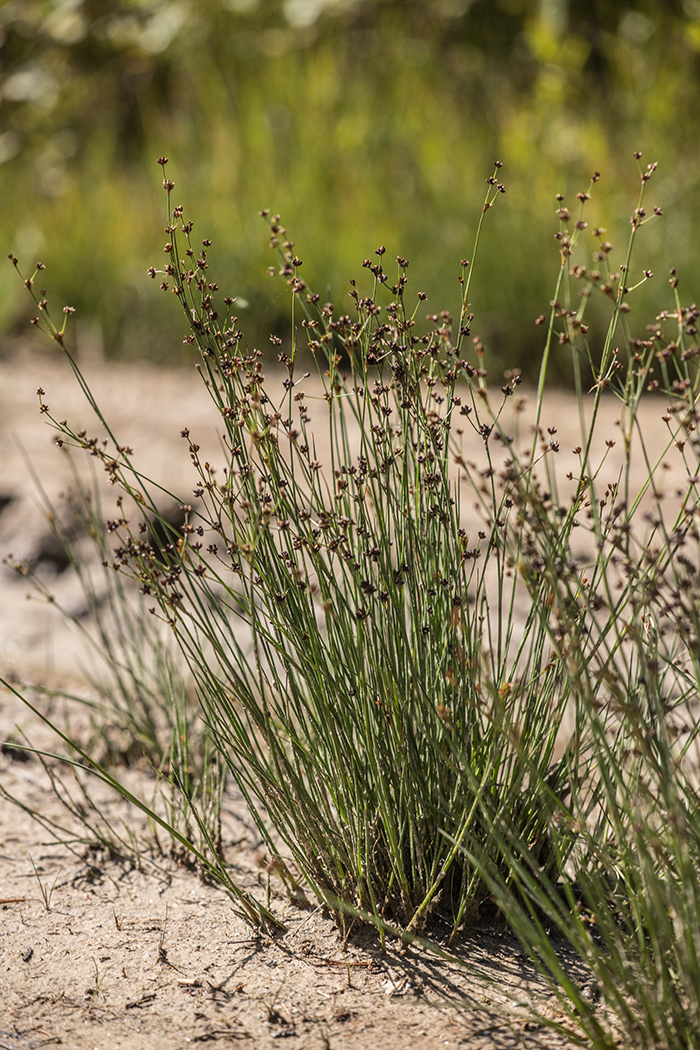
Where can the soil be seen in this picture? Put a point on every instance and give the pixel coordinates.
(97, 953)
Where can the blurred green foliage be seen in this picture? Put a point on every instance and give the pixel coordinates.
(360, 122)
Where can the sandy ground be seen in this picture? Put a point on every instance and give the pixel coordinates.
(97, 954)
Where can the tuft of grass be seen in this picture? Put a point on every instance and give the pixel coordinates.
(427, 706)
(140, 704)
(613, 568)
(378, 670)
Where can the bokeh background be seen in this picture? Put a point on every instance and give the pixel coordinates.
(360, 121)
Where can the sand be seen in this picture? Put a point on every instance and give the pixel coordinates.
(96, 953)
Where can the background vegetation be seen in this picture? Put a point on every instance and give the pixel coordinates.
(360, 121)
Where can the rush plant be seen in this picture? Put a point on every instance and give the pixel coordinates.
(352, 644)
(613, 563)
(439, 668)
